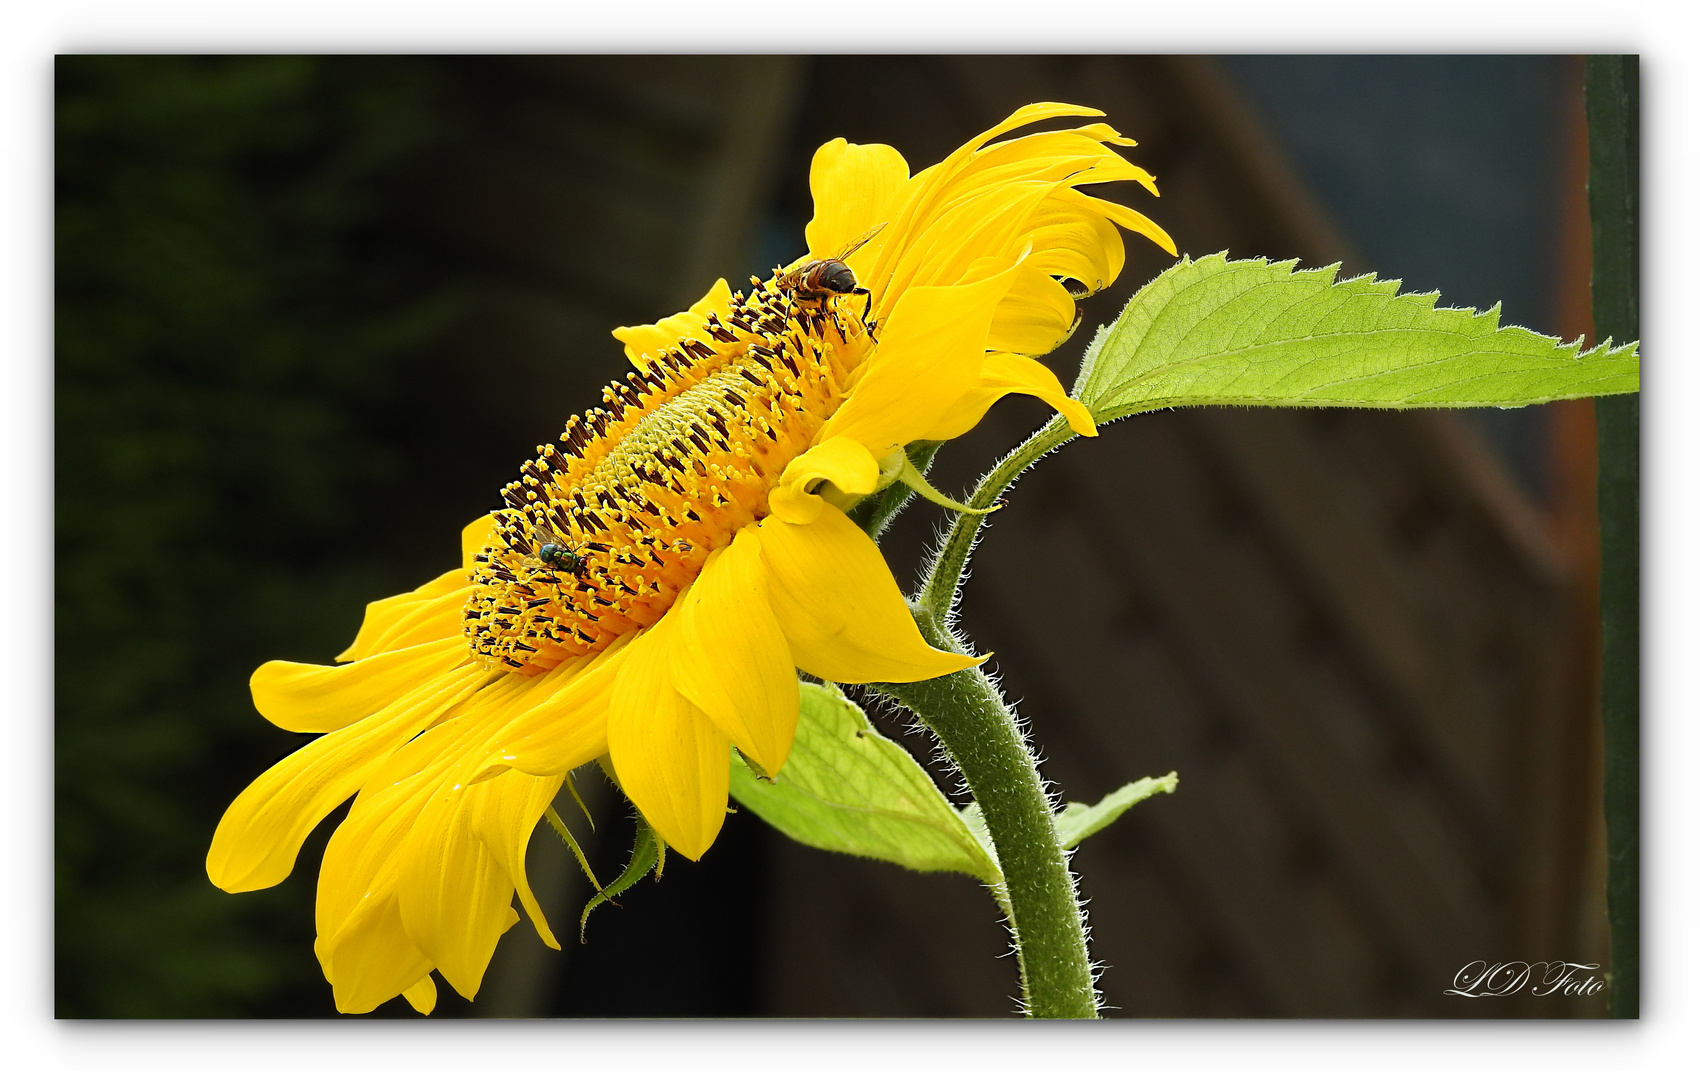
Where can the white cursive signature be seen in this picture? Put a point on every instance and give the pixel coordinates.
(1479, 979)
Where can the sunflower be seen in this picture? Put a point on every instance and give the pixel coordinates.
(653, 581)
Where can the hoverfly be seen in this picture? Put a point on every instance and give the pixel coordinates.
(819, 279)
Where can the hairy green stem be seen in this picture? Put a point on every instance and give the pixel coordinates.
(979, 731)
(1612, 91)
(981, 735)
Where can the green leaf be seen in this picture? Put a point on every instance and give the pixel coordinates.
(975, 819)
(1215, 332)
(647, 853)
(849, 789)
(1079, 820)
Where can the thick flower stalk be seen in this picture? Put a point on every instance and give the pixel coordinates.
(655, 579)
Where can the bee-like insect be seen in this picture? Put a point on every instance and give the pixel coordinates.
(819, 279)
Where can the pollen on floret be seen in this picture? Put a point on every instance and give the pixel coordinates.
(603, 529)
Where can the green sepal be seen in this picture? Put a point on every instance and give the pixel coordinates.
(647, 852)
(847, 788)
(583, 809)
(567, 838)
(915, 480)
(1252, 332)
(875, 512)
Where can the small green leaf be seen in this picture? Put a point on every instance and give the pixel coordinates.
(849, 789)
(1079, 820)
(1215, 332)
(647, 853)
(1076, 821)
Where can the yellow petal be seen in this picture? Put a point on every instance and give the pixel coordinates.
(407, 847)
(1134, 221)
(477, 536)
(474, 719)
(672, 761)
(362, 861)
(422, 995)
(507, 817)
(401, 622)
(852, 185)
(1077, 153)
(991, 225)
(464, 826)
(655, 338)
(931, 189)
(929, 355)
(938, 178)
(360, 868)
(842, 462)
(730, 658)
(972, 205)
(839, 607)
(314, 697)
(1006, 373)
(1076, 243)
(383, 615)
(373, 960)
(1037, 315)
(452, 892)
(1032, 114)
(1085, 141)
(261, 833)
(427, 613)
(568, 728)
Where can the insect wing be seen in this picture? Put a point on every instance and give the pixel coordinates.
(542, 534)
(861, 241)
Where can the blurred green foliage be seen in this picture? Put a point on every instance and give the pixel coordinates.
(238, 321)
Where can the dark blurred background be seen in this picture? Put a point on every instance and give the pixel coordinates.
(312, 312)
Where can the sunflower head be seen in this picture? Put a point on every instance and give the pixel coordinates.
(656, 577)
(603, 530)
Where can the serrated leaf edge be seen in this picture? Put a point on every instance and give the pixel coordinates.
(1106, 335)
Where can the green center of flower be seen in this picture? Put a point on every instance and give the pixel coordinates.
(602, 531)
